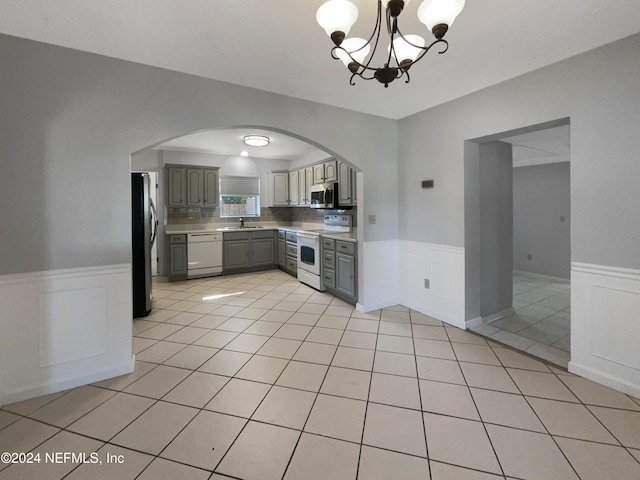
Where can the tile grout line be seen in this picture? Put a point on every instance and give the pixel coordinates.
(424, 426)
(541, 422)
(366, 405)
(484, 426)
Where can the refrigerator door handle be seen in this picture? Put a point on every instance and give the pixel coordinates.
(154, 221)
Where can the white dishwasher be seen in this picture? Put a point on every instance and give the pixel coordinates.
(204, 254)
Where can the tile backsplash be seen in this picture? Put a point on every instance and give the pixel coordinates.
(280, 215)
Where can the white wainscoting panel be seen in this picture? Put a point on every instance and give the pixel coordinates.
(605, 325)
(380, 271)
(444, 267)
(60, 329)
(395, 270)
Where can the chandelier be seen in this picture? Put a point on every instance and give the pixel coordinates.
(338, 16)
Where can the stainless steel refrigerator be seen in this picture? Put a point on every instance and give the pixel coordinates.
(143, 230)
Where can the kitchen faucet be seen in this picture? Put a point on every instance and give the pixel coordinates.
(241, 222)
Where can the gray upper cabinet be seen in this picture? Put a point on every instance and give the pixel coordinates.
(294, 192)
(195, 187)
(346, 185)
(325, 172)
(331, 171)
(280, 189)
(300, 183)
(211, 187)
(318, 174)
(308, 182)
(177, 183)
(192, 186)
(303, 191)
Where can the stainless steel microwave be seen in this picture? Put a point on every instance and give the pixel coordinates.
(324, 196)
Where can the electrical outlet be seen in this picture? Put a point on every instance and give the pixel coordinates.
(372, 219)
(426, 283)
(529, 257)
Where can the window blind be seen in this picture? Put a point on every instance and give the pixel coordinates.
(233, 185)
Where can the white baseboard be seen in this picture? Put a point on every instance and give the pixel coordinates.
(542, 277)
(62, 385)
(498, 315)
(474, 322)
(64, 328)
(597, 376)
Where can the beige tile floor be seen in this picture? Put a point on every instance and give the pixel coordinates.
(258, 377)
(540, 324)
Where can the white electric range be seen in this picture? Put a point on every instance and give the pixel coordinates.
(309, 255)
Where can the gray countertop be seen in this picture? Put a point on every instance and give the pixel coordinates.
(186, 229)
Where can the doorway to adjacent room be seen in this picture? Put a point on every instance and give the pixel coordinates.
(518, 252)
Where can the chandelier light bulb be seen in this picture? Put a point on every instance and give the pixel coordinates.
(337, 16)
(357, 47)
(404, 49)
(439, 12)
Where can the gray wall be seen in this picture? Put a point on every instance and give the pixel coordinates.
(69, 121)
(599, 91)
(496, 228)
(540, 197)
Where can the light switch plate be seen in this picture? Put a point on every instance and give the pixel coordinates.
(372, 219)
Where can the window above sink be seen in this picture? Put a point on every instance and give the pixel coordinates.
(239, 196)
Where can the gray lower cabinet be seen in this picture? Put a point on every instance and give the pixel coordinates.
(339, 267)
(288, 251)
(263, 251)
(177, 257)
(282, 249)
(248, 250)
(236, 253)
(346, 274)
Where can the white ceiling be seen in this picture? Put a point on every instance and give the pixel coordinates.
(277, 45)
(551, 145)
(229, 142)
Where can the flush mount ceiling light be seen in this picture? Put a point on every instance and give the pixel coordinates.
(256, 140)
(338, 16)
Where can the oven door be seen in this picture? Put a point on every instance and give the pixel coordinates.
(309, 253)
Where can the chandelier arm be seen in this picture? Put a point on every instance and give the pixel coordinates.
(427, 48)
(376, 32)
(392, 33)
